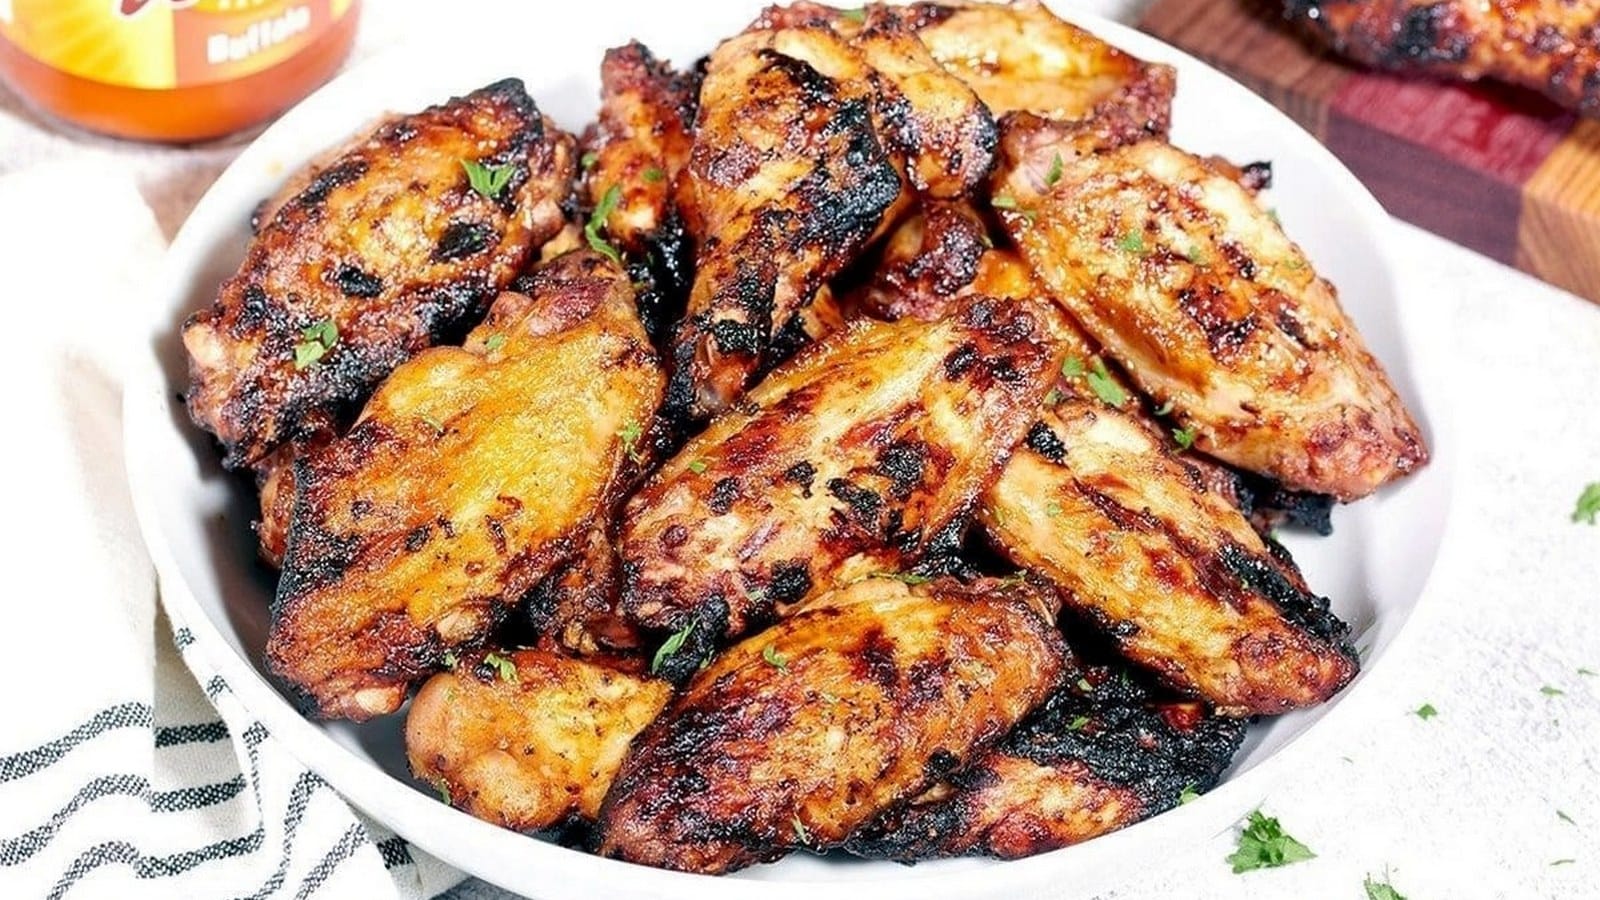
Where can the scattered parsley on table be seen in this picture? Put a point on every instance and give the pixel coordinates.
(1263, 844)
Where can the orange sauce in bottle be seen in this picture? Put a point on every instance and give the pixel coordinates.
(171, 70)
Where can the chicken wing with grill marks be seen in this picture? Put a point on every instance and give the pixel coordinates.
(1020, 57)
(797, 736)
(579, 608)
(787, 180)
(1189, 283)
(1096, 501)
(927, 260)
(1099, 755)
(472, 473)
(527, 739)
(1552, 46)
(851, 458)
(387, 250)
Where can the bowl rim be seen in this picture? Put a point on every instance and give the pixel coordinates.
(444, 831)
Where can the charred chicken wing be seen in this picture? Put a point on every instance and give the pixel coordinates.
(527, 739)
(1189, 283)
(472, 473)
(852, 458)
(797, 736)
(1551, 46)
(1099, 755)
(386, 250)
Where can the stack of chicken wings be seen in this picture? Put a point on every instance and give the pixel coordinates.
(843, 444)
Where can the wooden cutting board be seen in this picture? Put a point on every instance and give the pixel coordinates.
(1497, 169)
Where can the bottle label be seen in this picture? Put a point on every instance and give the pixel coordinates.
(159, 44)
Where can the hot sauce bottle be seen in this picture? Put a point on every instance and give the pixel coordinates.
(171, 70)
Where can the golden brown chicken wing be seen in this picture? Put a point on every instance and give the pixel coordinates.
(1189, 283)
(1552, 46)
(1099, 755)
(927, 260)
(852, 458)
(579, 607)
(387, 250)
(799, 735)
(786, 182)
(527, 739)
(472, 473)
(1019, 57)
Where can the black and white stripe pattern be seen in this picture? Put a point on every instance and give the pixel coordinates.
(304, 837)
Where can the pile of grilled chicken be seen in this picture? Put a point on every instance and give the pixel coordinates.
(866, 439)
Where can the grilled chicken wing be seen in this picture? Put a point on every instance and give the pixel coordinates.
(926, 262)
(797, 736)
(640, 144)
(1099, 755)
(1173, 573)
(527, 739)
(1020, 57)
(471, 474)
(852, 458)
(1190, 284)
(386, 250)
(1552, 46)
(786, 182)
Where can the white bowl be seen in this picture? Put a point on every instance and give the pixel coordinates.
(195, 517)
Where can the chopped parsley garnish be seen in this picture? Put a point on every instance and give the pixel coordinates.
(1052, 509)
(1588, 507)
(1381, 890)
(1549, 691)
(1426, 711)
(1054, 398)
(589, 159)
(1105, 387)
(654, 175)
(1017, 577)
(800, 832)
(698, 466)
(1085, 686)
(1195, 255)
(1132, 242)
(443, 787)
(828, 697)
(1188, 795)
(1164, 408)
(488, 180)
(1054, 175)
(1183, 437)
(449, 659)
(1564, 817)
(910, 578)
(1263, 844)
(630, 434)
(315, 342)
(494, 342)
(671, 645)
(1003, 201)
(1562, 862)
(433, 423)
(1078, 723)
(597, 221)
(505, 667)
(775, 659)
(1071, 367)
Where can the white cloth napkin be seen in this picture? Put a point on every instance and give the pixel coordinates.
(120, 776)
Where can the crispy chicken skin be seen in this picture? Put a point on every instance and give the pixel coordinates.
(390, 245)
(1095, 501)
(1099, 755)
(579, 607)
(1552, 46)
(854, 457)
(640, 143)
(797, 736)
(926, 261)
(1020, 57)
(787, 180)
(527, 739)
(472, 473)
(1189, 283)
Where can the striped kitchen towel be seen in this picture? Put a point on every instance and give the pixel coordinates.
(124, 773)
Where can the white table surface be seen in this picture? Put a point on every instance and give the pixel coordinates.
(1463, 805)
